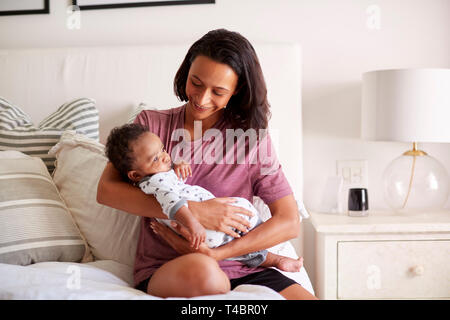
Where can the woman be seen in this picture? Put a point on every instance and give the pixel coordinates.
(222, 82)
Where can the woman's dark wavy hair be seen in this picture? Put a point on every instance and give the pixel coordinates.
(249, 107)
(118, 148)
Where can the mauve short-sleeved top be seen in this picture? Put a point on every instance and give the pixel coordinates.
(259, 175)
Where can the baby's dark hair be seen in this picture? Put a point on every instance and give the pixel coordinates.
(118, 146)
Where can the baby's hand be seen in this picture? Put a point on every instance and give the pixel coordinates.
(197, 234)
(183, 170)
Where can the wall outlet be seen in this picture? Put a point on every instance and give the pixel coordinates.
(353, 172)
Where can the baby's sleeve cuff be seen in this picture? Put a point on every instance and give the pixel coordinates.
(176, 207)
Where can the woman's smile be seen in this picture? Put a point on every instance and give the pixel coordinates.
(200, 108)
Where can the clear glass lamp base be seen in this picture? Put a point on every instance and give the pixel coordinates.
(415, 183)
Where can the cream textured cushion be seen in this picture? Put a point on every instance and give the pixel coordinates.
(111, 234)
(35, 225)
(135, 112)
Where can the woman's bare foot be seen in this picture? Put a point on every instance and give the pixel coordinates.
(289, 264)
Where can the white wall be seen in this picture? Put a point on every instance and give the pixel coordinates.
(337, 48)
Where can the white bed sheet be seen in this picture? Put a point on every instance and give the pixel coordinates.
(99, 280)
(111, 280)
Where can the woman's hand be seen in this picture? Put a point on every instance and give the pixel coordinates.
(179, 244)
(219, 214)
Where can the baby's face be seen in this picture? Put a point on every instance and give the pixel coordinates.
(149, 157)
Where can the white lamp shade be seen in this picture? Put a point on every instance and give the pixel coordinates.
(410, 105)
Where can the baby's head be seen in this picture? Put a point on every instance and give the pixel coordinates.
(136, 152)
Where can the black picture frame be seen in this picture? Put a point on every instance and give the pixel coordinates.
(126, 4)
(45, 10)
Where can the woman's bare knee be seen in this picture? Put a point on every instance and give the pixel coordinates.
(188, 276)
(208, 277)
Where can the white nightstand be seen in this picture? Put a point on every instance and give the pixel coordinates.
(383, 256)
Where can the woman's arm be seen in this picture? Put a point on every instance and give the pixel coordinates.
(284, 225)
(113, 192)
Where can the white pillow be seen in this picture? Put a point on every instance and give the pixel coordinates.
(111, 234)
(35, 225)
(13, 154)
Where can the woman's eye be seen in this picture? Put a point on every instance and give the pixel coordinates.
(195, 84)
(156, 159)
(218, 94)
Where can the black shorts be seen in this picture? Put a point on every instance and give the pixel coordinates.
(270, 278)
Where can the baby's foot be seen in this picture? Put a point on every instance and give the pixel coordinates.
(289, 264)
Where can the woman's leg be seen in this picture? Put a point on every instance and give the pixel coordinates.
(189, 275)
(297, 292)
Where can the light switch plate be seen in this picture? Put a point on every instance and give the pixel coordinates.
(353, 172)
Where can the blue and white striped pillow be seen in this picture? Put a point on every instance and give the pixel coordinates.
(17, 131)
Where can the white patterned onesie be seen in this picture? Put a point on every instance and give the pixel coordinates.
(172, 194)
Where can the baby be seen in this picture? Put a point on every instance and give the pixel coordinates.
(140, 157)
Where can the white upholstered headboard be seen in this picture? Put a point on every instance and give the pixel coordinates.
(119, 78)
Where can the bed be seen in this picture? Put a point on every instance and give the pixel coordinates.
(96, 261)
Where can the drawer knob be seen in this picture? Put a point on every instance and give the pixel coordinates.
(417, 270)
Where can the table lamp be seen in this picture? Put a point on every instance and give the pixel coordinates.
(409, 105)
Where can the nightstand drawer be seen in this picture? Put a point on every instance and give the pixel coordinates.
(393, 269)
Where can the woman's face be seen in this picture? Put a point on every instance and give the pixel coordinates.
(209, 87)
